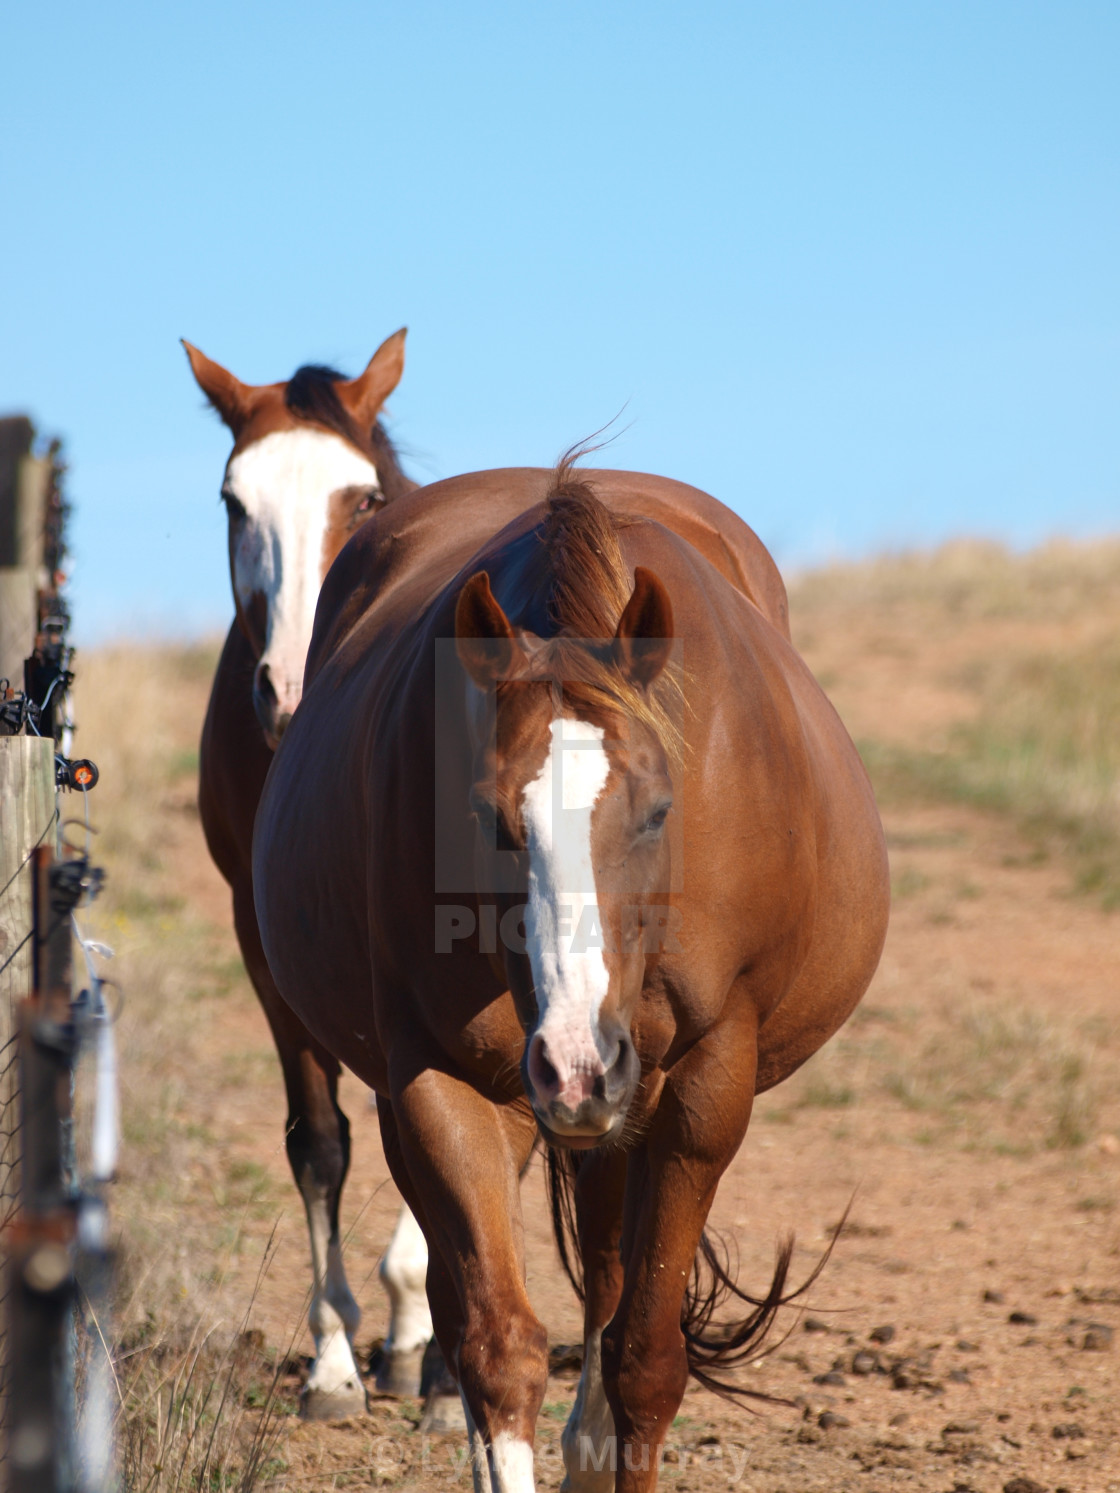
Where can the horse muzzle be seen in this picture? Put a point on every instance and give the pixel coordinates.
(274, 718)
(580, 1104)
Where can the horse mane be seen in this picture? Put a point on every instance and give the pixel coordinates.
(585, 582)
(311, 395)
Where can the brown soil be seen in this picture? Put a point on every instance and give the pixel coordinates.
(969, 1114)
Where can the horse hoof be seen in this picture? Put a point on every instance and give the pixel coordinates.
(340, 1404)
(442, 1412)
(398, 1374)
(594, 1482)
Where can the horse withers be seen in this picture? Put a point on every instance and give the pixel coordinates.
(310, 464)
(566, 841)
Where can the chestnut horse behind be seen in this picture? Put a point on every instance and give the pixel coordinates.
(310, 464)
(600, 868)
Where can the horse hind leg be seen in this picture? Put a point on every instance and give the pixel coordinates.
(403, 1271)
(411, 1361)
(334, 1388)
(588, 1439)
(317, 1138)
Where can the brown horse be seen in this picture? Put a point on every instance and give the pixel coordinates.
(604, 873)
(310, 464)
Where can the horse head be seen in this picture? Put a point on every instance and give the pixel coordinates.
(309, 464)
(572, 780)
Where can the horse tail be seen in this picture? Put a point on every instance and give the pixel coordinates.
(562, 1168)
(714, 1347)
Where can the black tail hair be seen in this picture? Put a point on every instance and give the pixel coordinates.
(562, 1168)
(711, 1346)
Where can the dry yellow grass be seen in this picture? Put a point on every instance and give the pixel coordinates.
(1032, 648)
(969, 579)
(197, 1395)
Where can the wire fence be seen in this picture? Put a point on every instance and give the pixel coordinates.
(53, 1211)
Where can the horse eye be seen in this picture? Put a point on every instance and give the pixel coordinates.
(656, 820)
(234, 506)
(367, 502)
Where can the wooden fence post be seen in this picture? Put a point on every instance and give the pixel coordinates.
(27, 819)
(24, 483)
(27, 816)
(41, 1283)
(27, 778)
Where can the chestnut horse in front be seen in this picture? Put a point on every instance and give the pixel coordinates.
(565, 840)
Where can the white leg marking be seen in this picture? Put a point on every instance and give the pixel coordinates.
(334, 1314)
(587, 1439)
(403, 1271)
(511, 1465)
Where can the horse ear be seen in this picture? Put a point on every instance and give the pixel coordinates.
(229, 396)
(363, 396)
(644, 639)
(483, 637)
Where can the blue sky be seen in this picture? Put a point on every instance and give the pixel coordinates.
(852, 267)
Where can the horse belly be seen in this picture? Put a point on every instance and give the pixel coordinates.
(309, 886)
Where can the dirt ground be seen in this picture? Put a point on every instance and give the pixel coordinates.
(965, 1334)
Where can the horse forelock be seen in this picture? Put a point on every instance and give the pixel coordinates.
(582, 573)
(311, 395)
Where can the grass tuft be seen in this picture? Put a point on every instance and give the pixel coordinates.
(1044, 748)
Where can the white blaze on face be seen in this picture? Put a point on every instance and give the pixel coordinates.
(284, 482)
(565, 940)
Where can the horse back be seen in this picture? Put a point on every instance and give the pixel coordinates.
(417, 543)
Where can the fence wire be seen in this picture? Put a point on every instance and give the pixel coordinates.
(52, 1208)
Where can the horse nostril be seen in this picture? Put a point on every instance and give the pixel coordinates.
(266, 703)
(621, 1072)
(542, 1075)
(265, 687)
(548, 1073)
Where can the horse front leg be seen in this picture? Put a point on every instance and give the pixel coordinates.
(462, 1158)
(671, 1182)
(317, 1139)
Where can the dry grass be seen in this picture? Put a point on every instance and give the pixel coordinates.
(977, 1076)
(198, 1395)
(199, 1412)
(1042, 741)
(969, 579)
(1044, 747)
